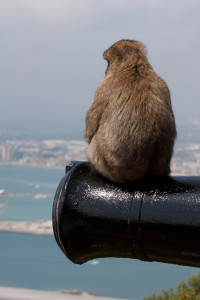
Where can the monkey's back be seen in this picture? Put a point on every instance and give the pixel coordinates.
(137, 121)
(130, 126)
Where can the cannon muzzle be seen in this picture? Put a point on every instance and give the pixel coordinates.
(155, 219)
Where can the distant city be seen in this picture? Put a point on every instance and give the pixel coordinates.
(56, 153)
(44, 153)
(186, 159)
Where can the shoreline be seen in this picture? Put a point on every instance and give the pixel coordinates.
(10, 293)
(31, 166)
(42, 227)
(63, 167)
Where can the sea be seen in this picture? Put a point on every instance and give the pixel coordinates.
(36, 262)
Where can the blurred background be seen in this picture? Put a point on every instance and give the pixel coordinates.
(51, 57)
(51, 62)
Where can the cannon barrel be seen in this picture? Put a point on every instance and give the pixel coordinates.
(155, 219)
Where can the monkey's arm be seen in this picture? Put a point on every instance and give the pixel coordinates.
(93, 118)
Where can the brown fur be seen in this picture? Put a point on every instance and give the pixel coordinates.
(130, 126)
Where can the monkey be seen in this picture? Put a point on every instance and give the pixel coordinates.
(130, 126)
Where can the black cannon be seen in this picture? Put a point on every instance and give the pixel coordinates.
(155, 219)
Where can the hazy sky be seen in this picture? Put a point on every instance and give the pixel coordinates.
(51, 55)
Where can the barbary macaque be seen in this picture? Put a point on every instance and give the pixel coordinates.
(130, 126)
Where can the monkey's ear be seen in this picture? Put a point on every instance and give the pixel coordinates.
(113, 53)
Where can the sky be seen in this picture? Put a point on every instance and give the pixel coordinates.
(51, 57)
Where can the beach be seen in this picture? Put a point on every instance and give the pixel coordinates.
(7, 293)
(43, 227)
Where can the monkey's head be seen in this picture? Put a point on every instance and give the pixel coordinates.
(124, 53)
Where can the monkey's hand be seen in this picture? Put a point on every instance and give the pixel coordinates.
(92, 125)
(88, 137)
(93, 118)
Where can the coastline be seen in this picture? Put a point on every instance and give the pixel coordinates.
(16, 164)
(42, 227)
(9, 293)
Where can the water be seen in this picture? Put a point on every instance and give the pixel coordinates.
(36, 262)
(26, 180)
